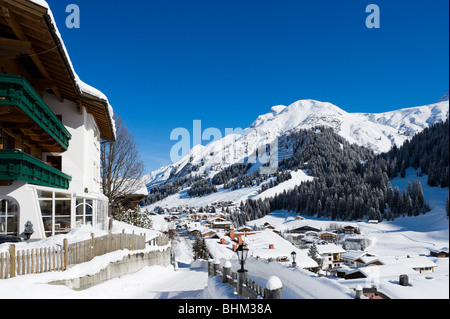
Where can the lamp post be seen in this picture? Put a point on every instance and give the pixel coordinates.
(294, 255)
(242, 253)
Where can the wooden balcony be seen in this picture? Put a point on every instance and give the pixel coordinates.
(16, 165)
(24, 111)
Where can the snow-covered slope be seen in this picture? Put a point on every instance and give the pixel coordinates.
(378, 132)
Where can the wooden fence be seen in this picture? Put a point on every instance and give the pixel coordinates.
(61, 257)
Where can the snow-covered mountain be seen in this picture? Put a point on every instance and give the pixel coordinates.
(378, 132)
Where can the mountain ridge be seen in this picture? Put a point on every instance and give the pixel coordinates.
(376, 131)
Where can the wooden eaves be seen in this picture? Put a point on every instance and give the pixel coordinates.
(28, 37)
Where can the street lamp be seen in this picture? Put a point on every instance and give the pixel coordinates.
(294, 255)
(242, 253)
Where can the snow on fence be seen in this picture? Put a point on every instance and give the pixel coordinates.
(59, 258)
(245, 287)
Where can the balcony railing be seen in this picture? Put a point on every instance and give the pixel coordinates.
(16, 91)
(16, 165)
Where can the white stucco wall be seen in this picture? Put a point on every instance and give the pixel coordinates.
(82, 159)
(25, 196)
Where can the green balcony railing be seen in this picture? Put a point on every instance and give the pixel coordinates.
(16, 91)
(16, 165)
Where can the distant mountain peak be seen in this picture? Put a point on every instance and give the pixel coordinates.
(378, 132)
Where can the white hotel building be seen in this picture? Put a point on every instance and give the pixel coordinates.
(50, 129)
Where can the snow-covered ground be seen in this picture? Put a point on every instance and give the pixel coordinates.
(226, 195)
(396, 239)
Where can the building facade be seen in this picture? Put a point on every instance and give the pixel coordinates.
(51, 124)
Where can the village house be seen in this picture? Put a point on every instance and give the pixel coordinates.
(355, 258)
(331, 256)
(392, 266)
(304, 229)
(221, 224)
(51, 124)
(420, 264)
(328, 237)
(440, 253)
(348, 230)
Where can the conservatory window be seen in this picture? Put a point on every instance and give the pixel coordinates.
(84, 211)
(56, 212)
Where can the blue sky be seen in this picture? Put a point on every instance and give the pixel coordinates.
(165, 63)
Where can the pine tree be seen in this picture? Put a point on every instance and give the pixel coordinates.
(313, 253)
(403, 170)
(200, 249)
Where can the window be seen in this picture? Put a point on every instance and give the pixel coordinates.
(63, 211)
(9, 217)
(56, 212)
(62, 216)
(84, 211)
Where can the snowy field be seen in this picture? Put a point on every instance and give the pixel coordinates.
(226, 195)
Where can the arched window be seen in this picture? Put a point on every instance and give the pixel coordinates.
(84, 211)
(9, 217)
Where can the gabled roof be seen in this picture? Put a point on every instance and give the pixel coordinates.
(383, 271)
(47, 63)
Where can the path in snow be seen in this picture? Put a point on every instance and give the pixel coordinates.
(182, 284)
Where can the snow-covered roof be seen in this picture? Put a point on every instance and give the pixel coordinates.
(330, 249)
(410, 261)
(443, 249)
(354, 254)
(384, 271)
(258, 245)
(84, 89)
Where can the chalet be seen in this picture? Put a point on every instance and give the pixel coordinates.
(393, 271)
(331, 256)
(51, 124)
(393, 266)
(304, 229)
(209, 233)
(244, 229)
(366, 261)
(419, 264)
(216, 219)
(440, 253)
(356, 258)
(219, 224)
(350, 230)
(237, 236)
(329, 237)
